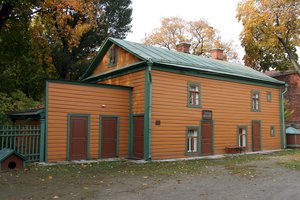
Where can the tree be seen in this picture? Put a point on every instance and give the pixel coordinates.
(271, 33)
(17, 9)
(76, 29)
(23, 63)
(202, 36)
(52, 38)
(288, 112)
(16, 101)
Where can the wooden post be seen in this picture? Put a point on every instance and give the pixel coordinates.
(42, 140)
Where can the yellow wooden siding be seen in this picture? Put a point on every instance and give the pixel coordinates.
(230, 103)
(123, 59)
(76, 99)
(137, 81)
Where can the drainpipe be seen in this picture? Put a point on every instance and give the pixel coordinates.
(148, 111)
(282, 116)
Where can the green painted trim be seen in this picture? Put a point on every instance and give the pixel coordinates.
(69, 132)
(259, 101)
(282, 120)
(100, 133)
(148, 113)
(221, 77)
(260, 136)
(237, 134)
(101, 53)
(293, 145)
(213, 133)
(269, 96)
(200, 95)
(46, 118)
(112, 48)
(117, 72)
(130, 129)
(213, 137)
(274, 128)
(99, 85)
(139, 114)
(198, 141)
(42, 139)
(103, 48)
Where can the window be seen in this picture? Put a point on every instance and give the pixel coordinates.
(269, 96)
(242, 136)
(194, 94)
(192, 140)
(112, 56)
(255, 101)
(272, 131)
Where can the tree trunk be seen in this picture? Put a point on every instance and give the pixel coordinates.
(290, 57)
(5, 11)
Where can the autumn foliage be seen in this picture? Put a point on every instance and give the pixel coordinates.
(271, 33)
(200, 34)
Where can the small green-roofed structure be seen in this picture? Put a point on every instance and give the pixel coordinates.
(10, 159)
(292, 130)
(292, 137)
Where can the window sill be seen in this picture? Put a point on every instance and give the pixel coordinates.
(194, 106)
(191, 154)
(111, 66)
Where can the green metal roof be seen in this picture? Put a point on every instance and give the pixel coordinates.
(292, 130)
(182, 60)
(4, 153)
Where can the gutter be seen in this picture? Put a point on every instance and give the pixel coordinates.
(148, 112)
(283, 140)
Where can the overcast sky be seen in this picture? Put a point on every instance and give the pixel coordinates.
(219, 13)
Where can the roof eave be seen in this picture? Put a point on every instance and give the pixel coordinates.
(277, 83)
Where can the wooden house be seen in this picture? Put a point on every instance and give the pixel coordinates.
(145, 102)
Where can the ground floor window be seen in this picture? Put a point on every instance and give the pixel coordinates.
(192, 140)
(242, 136)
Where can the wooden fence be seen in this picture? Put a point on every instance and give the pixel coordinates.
(27, 140)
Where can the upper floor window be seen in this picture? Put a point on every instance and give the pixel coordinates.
(112, 56)
(194, 94)
(269, 96)
(255, 101)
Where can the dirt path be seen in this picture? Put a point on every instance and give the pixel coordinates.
(269, 181)
(260, 177)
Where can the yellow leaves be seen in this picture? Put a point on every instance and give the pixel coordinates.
(199, 33)
(66, 21)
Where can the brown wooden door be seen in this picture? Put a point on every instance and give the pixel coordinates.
(138, 137)
(78, 137)
(256, 134)
(109, 128)
(206, 138)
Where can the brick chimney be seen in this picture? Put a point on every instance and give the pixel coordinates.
(217, 54)
(183, 47)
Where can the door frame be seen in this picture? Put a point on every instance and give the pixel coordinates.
(69, 133)
(260, 134)
(213, 134)
(100, 133)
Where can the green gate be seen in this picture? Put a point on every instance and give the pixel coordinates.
(28, 140)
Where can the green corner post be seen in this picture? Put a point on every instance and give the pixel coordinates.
(148, 112)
